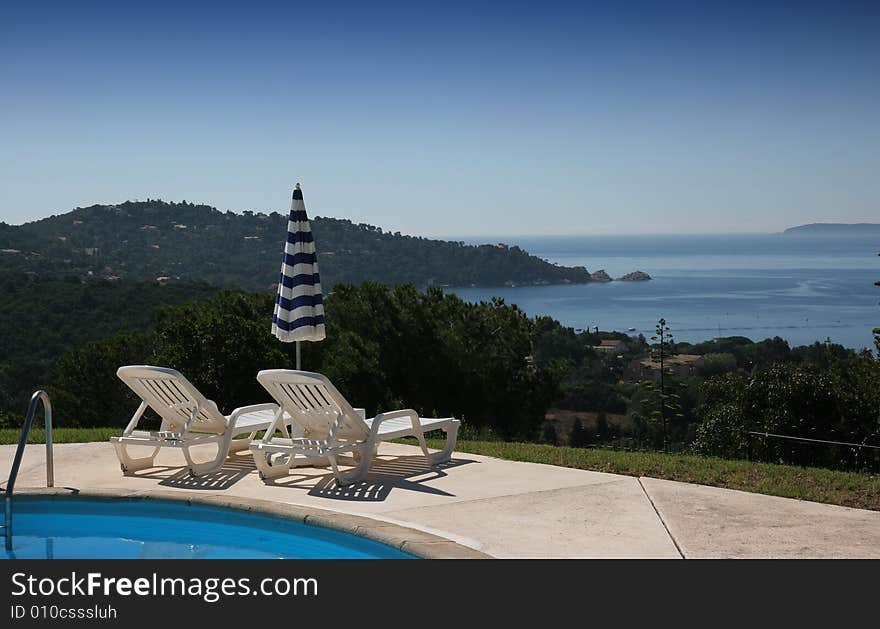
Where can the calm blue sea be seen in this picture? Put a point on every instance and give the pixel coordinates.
(802, 288)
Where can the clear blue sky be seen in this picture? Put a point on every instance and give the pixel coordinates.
(454, 119)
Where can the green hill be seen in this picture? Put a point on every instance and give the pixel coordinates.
(152, 239)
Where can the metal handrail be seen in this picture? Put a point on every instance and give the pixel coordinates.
(38, 396)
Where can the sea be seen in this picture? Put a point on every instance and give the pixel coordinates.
(801, 288)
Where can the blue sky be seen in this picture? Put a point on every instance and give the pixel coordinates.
(450, 119)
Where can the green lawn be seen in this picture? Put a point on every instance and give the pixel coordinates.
(806, 483)
(820, 485)
(60, 435)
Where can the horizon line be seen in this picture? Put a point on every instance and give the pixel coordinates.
(493, 236)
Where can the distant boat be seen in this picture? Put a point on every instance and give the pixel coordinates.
(631, 329)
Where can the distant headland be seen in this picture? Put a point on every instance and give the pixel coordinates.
(835, 229)
(166, 242)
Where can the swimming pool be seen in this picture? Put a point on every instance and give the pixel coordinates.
(82, 528)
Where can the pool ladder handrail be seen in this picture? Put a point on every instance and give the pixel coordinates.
(38, 396)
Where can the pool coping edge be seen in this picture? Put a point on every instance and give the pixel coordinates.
(415, 542)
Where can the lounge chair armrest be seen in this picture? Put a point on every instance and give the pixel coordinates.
(404, 412)
(243, 410)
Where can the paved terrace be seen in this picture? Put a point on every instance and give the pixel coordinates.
(505, 508)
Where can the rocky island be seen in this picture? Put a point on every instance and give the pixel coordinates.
(635, 276)
(602, 276)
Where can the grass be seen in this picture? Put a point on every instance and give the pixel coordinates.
(805, 483)
(849, 489)
(60, 435)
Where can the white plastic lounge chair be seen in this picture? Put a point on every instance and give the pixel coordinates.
(188, 419)
(330, 426)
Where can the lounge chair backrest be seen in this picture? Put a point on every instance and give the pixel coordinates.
(173, 397)
(313, 403)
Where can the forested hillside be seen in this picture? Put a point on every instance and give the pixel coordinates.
(41, 318)
(151, 239)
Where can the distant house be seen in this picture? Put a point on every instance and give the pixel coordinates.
(681, 366)
(611, 345)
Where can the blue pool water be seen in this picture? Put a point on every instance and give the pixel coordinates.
(95, 529)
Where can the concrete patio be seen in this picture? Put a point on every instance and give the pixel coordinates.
(507, 509)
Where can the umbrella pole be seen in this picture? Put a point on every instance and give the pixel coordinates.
(298, 360)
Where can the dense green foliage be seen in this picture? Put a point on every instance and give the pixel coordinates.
(41, 318)
(876, 331)
(386, 348)
(839, 402)
(150, 239)
(821, 391)
(84, 386)
(589, 380)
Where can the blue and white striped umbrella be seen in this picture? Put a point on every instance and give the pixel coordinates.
(299, 305)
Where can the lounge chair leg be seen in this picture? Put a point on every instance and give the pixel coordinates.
(424, 446)
(200, 469)
(268, 471)
(360, 472)
(451, 435)
(128, 464)
(446, 453)
(359, 454)
(335, 467)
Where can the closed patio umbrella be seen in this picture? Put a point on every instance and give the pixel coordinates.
(299, 305)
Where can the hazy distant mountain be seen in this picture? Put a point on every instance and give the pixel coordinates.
(154, 239)
(835, 229)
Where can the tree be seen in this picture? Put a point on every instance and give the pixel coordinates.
(877, 329)
(714, 364)
(838, 403)
(438, 354)
(664, 403)
(85, 390)
(221, 343)
(601, 426)
(722, 433)
(578, 436)
(549, 434)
